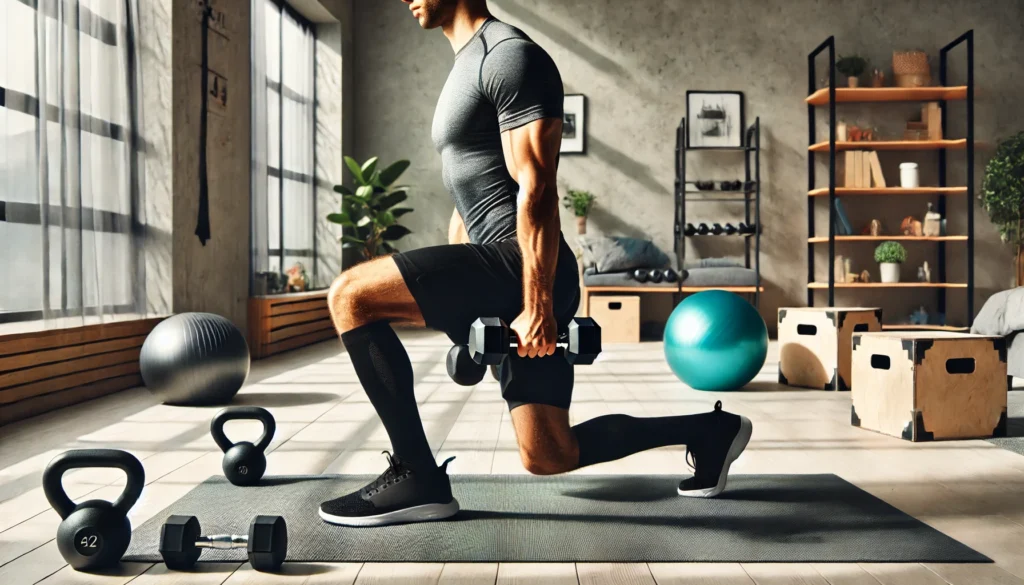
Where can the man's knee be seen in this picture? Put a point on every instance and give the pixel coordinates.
(348, 297)
(547, 459)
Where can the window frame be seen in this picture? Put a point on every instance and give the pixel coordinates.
(280, 173)
(17, 212)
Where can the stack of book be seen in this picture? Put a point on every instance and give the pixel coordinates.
(862, 169)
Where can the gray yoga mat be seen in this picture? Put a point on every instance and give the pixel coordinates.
(760, 518)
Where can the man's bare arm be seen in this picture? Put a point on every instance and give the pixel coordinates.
(457, 230)
(534, 151)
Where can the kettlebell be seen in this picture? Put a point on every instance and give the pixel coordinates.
(244, 462)
(93, 534)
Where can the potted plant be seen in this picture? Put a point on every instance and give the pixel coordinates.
(1002, 195)
(580, 202)
(889, 256)
(368, 215)
(852, 67)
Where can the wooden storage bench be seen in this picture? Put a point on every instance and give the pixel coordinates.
(279, 323)
(934, 385)
(814, 344)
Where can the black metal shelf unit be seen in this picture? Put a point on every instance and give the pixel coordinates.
(750, 196)
(967, 40)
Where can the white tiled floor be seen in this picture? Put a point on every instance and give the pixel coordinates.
(970, 490)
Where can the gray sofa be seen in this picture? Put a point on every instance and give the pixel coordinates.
(1003, 314)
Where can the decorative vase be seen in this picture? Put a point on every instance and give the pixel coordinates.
(853, 81)
(581, 225)
(890, 271)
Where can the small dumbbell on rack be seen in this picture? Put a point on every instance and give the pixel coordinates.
(182, 542)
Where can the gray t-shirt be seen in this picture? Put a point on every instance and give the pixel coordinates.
(501, 80)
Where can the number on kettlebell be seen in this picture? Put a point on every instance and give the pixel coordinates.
(244, 462)
(93, 535)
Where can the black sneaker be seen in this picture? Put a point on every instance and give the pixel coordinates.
(399, 495)
(711, 457)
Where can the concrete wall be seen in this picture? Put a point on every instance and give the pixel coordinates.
(155, 60)
(214, 277)
(635, 60)
(328, 150)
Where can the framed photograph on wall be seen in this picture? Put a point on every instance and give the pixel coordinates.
(574, 125)
(714, 119)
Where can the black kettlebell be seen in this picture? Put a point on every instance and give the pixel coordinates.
(93, 534)
(244, 462)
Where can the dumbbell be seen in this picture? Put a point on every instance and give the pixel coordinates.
(490, 341)
(181, 542)
(641, 275)
(244, 462)
(689, 230)
(463, 370)
(93, 534)
(717, 229)
(703, 229)
(670, 275)
(730, 230)
(656, 275)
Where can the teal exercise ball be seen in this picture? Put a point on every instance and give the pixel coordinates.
(715, 340)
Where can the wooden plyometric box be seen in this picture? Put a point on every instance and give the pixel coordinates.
(929, 386)
(814, 344)
(618, 316)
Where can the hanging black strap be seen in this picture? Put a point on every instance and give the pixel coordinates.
(203, 222)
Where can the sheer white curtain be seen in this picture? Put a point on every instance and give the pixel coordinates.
(70, 180)
(283, 194)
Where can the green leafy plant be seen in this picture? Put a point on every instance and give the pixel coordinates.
(852, 65)
(580, 202)
(890, 253)
(1002, 191)
(368, 214)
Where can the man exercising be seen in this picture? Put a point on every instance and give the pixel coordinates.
(498, 128)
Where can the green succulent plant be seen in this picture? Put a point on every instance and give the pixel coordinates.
(890, 253)
(852, 65)
(580, 202)
(368, 214)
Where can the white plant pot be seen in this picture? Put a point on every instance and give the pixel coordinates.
(890, 271)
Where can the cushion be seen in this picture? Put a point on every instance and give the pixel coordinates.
(723, 276)
(617, 254)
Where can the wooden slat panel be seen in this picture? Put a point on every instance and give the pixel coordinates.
(36, 358)
(258, 311)
(275, 323)
(286, 308)
(302, 340)
(46, 371)
(40, 404)
(291, 297)
(70, 381)
(289, 332)
(37, 340)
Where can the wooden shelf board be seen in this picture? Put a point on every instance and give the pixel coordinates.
(668, 289)
(907, 327)
(824, 239)
(823, 191)
(888, 94)
(893, 145)
(824, 285)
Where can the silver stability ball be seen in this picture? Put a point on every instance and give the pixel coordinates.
(194, 359)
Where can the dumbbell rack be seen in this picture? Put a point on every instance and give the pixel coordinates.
(749, 196)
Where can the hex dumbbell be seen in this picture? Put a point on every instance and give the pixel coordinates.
(463, 370)
(491, 341)
(182, 542)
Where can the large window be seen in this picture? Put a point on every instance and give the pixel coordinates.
(68, 175)
(290, 127)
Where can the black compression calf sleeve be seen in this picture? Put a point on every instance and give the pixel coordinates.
(384, 369)
(614, 436)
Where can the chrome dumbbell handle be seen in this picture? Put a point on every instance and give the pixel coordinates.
(223, 541)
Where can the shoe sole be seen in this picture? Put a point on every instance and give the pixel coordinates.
(737, 447)
(424, 513)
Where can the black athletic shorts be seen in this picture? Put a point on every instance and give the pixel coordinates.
(455, 285)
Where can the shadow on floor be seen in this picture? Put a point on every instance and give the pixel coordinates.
(272, 399)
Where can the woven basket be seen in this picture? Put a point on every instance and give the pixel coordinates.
(910, 63)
